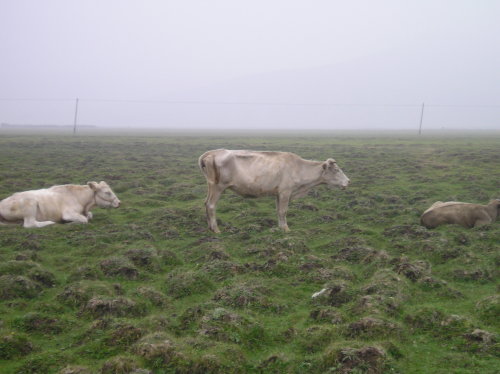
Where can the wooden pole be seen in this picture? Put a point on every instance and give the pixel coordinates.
(421, 120)
(76, 117)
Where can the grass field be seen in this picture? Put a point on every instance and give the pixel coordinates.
(147, 289)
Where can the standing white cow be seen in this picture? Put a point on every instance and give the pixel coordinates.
(255, 173)
(66, 203)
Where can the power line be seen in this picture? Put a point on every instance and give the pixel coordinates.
(35, 99)
(256, 103)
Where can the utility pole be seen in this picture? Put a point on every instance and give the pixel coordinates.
(421, 120)
(76, 117)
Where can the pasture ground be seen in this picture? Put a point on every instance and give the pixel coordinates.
(147, 289)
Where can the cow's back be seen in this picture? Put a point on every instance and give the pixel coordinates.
(254, 173)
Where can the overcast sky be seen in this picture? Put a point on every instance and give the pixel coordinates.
(251, 64)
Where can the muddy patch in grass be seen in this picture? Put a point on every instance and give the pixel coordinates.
(221, 270)
(247, 295)
(370, 327)
(78, 293)
(413, 270)
(182, 283)
(146, 258)
(123, 334)
(225, 325)
(30, 269)
(489, 308)
(335, 293)
(481, 341)
(119, 365)
(118, 307)
(368, 359)
(14, 345)
(40, 323)
(84, 272)
(361, 254)
(73, 369)
(12, 287)
(326, 315)
(157, 349)
(119, 267)
(154, 296)
(322, 275)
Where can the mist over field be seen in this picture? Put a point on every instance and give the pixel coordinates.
(265, 65)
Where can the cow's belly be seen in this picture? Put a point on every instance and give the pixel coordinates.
(49, 212)
(50, 207)
(251, 190)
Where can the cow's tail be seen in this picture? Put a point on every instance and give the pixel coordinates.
(208, 167)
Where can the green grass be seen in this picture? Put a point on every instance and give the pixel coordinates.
(146, 286)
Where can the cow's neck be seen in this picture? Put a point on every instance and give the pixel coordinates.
(87, 199)
(310, 176)
(492, 210)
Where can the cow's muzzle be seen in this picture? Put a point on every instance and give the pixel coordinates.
(346, 184)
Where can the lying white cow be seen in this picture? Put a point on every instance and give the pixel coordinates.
(66, 203)
(253, 173)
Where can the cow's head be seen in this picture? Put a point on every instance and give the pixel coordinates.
(496, 202)
(104, 196)
(333, 175)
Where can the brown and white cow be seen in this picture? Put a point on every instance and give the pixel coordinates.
(255, 173)
(464, 214)
(65, 203)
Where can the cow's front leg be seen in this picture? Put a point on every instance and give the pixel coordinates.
(213, 196)
(282, 201)
(483, 219)
(74, 217)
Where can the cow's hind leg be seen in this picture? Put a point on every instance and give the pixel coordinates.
(29, 212)
(30, 222)
(213, 196)
(282, 201)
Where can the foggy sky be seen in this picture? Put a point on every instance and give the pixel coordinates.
(283, 64)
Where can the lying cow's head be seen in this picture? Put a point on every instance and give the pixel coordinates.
(104, 196)
(333, 175)
(496, 202)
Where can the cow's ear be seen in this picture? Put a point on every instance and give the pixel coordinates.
(92, 185)
(328, 163)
